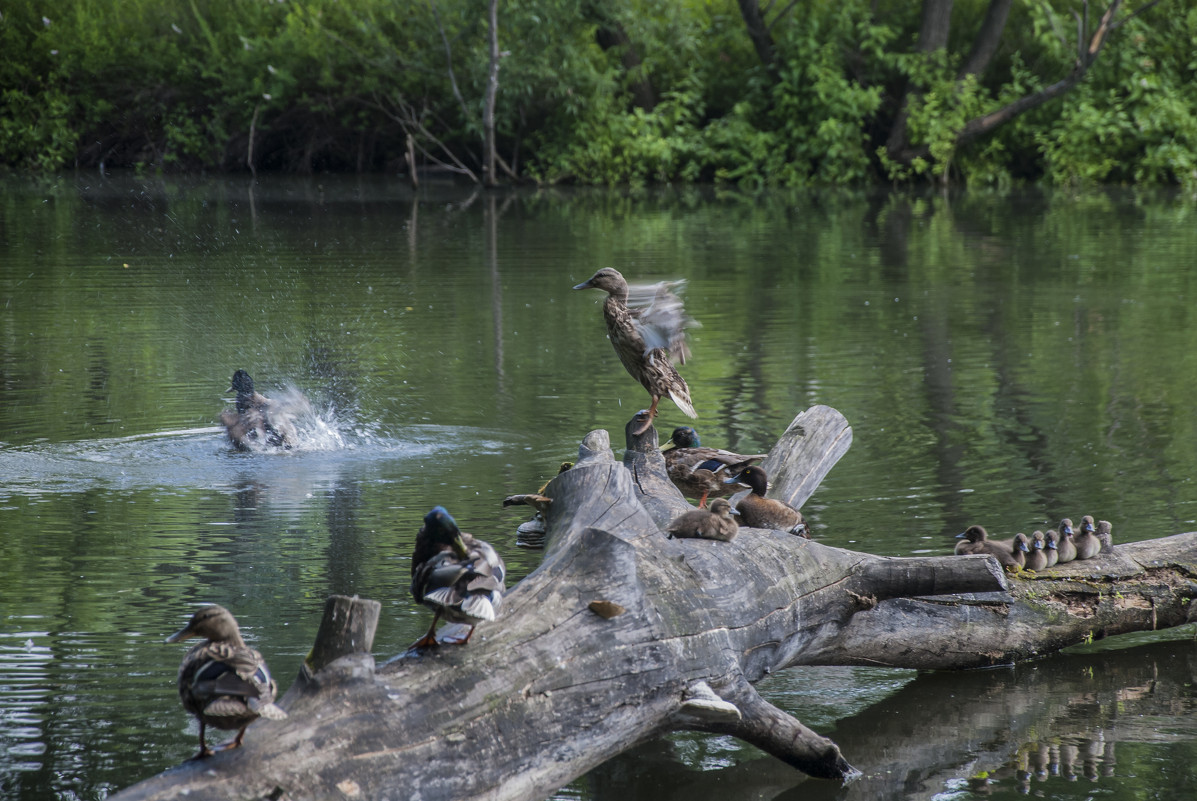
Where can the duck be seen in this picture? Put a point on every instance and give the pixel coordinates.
(256, 421)
(1036, 555)
(648, 335)
(1066, 543)
(976, 541)
(757, 511)
(222, 681)
(699, 471)
(1051, 547)
(716, 523)
(1105, 535)
(1087, 543)
(456, 575)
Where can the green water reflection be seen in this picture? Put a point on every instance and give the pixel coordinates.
(1005, 360)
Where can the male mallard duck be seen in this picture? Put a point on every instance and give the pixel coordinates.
(976, 541)
(715, 523)
(699, 471)
(1066, 543)
(1051, 547)
(1087, 543)
(647, 335)
(256, 420)
(222, 681)
(456, 575)
(757, 511)
(1036, 558)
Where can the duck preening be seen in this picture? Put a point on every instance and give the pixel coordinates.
(647, 327)
(256, 421)
(716, 523)
(222, 681)
(699, 471)
(757, 511)
(456, 575)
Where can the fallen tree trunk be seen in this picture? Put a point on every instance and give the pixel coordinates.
(561, 683)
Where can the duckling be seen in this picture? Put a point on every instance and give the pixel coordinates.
(1036, 555)
(976, 541)
(647, 335)
(757, 511)
(256, 420)
(1087, 543)
(1105, 536)
(456, 575)
(1051, 547)
(699, 471)
(1067, 542)
(222, 681)
(715, 523)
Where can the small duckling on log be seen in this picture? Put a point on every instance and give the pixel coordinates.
(1051, 547)
(757, 511)
(715, 523)
(1087, 543)
(1067, 542)
(1036, 558)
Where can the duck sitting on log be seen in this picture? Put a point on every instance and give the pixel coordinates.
(758, 511)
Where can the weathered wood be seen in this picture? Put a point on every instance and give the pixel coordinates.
(560, 683)
(347, 628)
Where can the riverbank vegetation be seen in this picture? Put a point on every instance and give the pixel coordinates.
(987, 92)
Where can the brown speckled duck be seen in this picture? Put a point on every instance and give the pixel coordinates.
(256, 421)
(715, 523)
(648, 333)
(757, 511)
(699, 471)
(222, 681)
(456, 575)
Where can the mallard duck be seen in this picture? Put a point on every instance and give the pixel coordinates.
(1087, 543)
(256, 421)
(1036, 558)
(456, 575)
(699, 471)
(1051, 547)
(715, 523)
(222, 681)
(976, 541)
(1066, 543)
(757, 511)
(646, 326)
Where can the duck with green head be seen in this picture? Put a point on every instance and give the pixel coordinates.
(647, 327)
(222, 681)
(758, 511)
(456, 575)
(699, 471)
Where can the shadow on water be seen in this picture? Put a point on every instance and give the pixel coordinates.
(1053, 727)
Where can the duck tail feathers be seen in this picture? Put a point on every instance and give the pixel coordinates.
(683, 403)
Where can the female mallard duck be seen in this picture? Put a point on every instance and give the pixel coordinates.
(222, 681)
(456, 575)
(976, 541)
(256, 421)
(757, 511)
(715, 523)
(647, 335)
(1088, 545)
(699, 471)
(1066, 544)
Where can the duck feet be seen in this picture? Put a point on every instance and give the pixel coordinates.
(644, 419)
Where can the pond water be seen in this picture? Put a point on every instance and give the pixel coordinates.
(1003, 359)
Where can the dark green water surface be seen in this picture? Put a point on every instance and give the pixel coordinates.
(1006, 360)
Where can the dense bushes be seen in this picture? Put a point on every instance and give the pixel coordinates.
(319, 84)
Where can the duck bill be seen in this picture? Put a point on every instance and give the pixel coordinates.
(584, 285)
(459, 547)
(668, 446)
(733, 480)
(182, 634)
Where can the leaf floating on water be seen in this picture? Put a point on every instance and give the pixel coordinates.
(606, 609)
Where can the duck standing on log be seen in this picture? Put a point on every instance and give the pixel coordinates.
(715, 523)
(456, 575)
(757, 511)
(700, 471)
(222, 681)
(647, 327)
(256, 421)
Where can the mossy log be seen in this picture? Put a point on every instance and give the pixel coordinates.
(622, 635)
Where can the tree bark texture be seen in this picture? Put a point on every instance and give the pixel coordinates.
(622, 635)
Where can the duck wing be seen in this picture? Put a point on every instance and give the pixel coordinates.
(660, 317)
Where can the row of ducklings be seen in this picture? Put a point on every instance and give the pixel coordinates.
(226, 684)
(1041, 550)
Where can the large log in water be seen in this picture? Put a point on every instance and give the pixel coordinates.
(558, 685)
